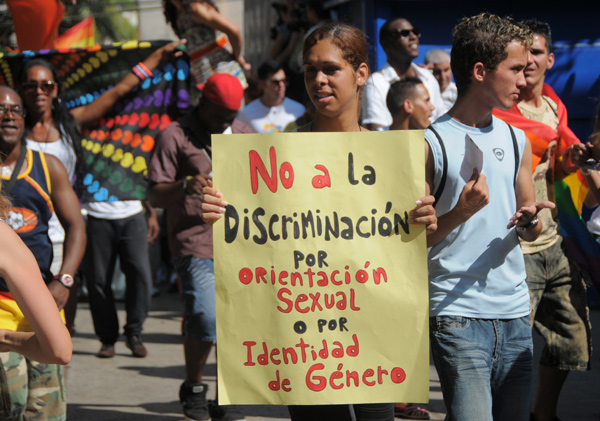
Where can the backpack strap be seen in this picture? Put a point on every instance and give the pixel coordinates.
(440, 188)
(516, 149)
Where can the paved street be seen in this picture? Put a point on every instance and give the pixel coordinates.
(132, 389)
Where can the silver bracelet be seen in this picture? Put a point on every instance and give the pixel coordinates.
(530, 225)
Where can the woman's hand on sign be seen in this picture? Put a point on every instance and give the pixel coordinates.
(213, 206)
(424, 214)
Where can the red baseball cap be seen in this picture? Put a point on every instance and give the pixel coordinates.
(223, 90)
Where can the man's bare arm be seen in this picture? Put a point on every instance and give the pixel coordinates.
(527, 207)
(68, 211)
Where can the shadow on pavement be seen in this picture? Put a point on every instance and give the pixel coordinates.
(172, 372)
(98, 413)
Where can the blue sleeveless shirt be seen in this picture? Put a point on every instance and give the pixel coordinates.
(478, 270)
(30, 211)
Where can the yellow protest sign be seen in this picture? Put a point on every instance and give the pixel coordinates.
(321, 282)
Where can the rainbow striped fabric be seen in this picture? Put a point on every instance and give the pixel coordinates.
(81, 35)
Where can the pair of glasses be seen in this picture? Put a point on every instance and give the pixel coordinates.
(405, 33)
(277, 82)
(45, 85)
(16, 110)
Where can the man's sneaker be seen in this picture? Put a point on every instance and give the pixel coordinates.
(224, 412)
(106, 351)
(137, 346)
(193, 401)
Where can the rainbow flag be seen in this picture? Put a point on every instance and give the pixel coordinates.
(569, 192)
(81, 35)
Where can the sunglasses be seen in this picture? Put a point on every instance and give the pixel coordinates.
(277, 82)
(45, 85)
(16, 110)
(405, 33)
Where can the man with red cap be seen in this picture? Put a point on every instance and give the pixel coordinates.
(178, 170)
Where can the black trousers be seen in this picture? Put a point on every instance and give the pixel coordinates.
(362, 412)
(128, 239)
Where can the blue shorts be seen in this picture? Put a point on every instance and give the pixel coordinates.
(197, 278)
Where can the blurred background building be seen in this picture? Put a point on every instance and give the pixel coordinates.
(575, 76)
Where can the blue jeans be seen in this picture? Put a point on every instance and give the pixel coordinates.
(484, 367)
(197, 278)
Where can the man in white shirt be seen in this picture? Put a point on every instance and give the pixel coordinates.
(272, 112)
(439, 62)
(400, 41)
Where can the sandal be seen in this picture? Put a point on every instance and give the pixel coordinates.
(410, 411)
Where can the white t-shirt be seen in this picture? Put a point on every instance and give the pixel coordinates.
(449, 97)
(113, 210)
(594, 222)
(258, 118)
(374, 107)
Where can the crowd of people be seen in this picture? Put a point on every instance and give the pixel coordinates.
(495, 140)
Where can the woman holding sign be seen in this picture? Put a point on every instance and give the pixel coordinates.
(335, 70)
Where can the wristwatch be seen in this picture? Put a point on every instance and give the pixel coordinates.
(186, 180)
(65, 279)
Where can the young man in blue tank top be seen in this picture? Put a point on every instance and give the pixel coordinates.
(480, 172)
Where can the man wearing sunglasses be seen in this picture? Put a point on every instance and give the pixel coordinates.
(273, 111)
(400, 41)
(37, 185)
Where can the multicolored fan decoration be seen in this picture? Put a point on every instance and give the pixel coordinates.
(118, 146)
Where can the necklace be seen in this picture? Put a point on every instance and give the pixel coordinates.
(43, 144)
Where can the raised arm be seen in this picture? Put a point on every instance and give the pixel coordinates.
(206, 14)
(50, 342)
(526, 216)
(68, 212)
(88, 114)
